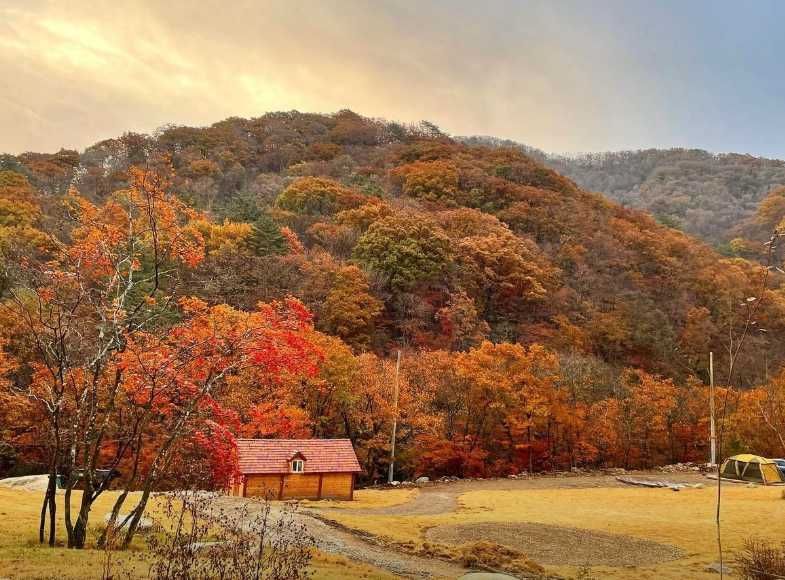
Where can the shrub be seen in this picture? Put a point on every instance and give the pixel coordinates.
(492, 556)
(201, 537)
(761, 561)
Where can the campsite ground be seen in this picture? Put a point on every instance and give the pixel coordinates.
(570, 523)
(21, 557)
(565, 523)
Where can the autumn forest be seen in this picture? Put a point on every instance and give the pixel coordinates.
(163, 294)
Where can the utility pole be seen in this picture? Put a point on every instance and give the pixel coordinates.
(711, 410)
(395, 419)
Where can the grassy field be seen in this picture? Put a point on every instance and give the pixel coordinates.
(368, 498)
(22, 557)
(684, 520)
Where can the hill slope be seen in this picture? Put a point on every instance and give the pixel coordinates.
(409, 237)
(704, 194)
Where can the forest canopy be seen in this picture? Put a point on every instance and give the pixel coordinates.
(542, 326)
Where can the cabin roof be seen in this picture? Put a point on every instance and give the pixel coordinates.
(274, 455)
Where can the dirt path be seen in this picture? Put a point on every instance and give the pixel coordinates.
(336, 541)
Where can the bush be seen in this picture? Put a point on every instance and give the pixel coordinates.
(761, 561)
(198, 539)
(490, 555)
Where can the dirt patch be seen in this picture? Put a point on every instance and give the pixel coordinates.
(335, 538)
(556, 545)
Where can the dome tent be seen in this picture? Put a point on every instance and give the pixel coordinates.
(752, 468)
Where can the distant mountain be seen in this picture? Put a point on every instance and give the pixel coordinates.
(704, 194)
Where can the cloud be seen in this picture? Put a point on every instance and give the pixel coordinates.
(564, 76)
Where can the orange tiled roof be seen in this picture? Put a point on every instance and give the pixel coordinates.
(273, 455)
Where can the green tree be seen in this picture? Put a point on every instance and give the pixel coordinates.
(266, 237)
(408, 250)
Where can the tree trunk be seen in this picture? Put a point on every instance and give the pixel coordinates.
(80, 529)
(52, 517)
(49, 505)
(118, 505)
(42, 522)
(136, 516)
(69, 526)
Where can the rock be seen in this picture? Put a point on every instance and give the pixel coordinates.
(407, 484)
(512, 476)
(716, 567)
(395, 483)
(423, 479)
(144, 523)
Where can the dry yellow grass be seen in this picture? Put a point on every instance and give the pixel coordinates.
(683, 519)
(21, 557)
(20, 554)
(369, 498)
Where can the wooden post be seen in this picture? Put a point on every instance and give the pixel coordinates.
(713, 433)
(319, 494)
(280, 488)
(245, 485)
(351, 491)
(395, 423)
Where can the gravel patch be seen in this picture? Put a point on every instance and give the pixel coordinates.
(556, 545)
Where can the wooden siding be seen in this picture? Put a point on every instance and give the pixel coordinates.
(301, 486)
(298, 486)
(268, 486)
(337, 485)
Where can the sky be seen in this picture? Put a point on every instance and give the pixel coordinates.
(565, 76)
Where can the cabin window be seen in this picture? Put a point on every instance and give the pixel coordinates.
(298, 466)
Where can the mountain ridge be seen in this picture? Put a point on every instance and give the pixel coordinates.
(488, 241)
(709, 195)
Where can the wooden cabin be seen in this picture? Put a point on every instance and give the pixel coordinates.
(296, 469)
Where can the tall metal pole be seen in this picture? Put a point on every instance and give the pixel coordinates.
(711, 410)
(395, 419)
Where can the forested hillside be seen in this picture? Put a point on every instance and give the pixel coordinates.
(704, 194)
(542, 325)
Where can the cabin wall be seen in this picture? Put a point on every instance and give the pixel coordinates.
(267, 486)
(301, 486)
(298, 486)
(337, 485)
